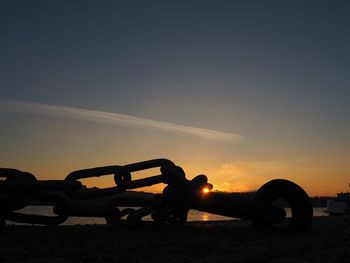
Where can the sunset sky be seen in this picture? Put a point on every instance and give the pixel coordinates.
(242, 91)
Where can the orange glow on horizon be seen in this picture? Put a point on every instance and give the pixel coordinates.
(315, 177)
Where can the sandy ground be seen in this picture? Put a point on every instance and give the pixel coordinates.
(327, 241)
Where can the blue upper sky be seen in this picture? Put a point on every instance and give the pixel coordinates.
(275, 72)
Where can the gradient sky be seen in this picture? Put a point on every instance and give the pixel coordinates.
(272, 76)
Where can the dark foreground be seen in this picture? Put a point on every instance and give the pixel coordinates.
(327, 241)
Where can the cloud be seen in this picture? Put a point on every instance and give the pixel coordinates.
(113, 119)
(241, 175)
(252, 168)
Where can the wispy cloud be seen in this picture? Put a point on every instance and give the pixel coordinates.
(247, 175)
(112, 119)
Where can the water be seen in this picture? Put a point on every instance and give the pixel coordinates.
(193, 215)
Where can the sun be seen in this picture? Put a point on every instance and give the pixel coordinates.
(205, 190)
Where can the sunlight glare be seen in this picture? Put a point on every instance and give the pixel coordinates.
(206, 190)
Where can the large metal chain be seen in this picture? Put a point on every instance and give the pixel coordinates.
(20, 189)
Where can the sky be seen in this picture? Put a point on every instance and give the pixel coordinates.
(242, 91)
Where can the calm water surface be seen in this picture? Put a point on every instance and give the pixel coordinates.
(193, 215)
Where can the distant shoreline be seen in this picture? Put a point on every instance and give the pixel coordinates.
(317, 201)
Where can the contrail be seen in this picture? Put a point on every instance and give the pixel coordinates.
(112, 119)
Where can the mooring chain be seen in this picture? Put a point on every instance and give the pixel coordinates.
(20, 189)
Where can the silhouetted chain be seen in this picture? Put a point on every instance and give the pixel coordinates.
(20, 189)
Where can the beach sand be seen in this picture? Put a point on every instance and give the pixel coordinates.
(232, 241)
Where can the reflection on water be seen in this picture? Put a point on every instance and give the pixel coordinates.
(193, 215)
(205, 217)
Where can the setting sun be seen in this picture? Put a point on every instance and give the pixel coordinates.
(206, 190)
